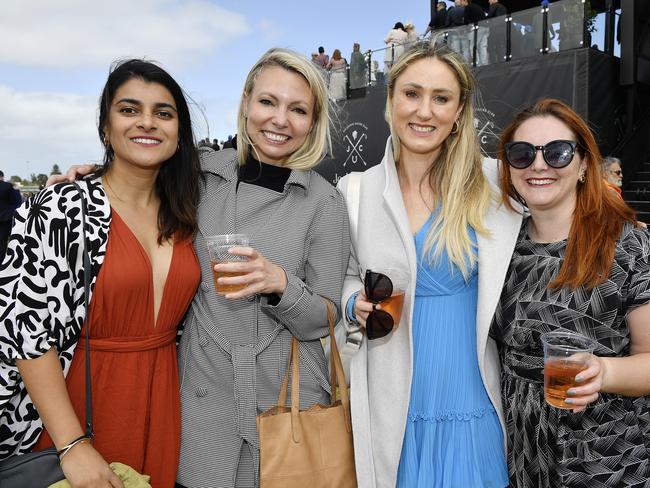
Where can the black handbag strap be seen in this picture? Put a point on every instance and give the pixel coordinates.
(87, 279)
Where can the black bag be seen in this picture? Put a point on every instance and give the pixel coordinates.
(42, 469)
(34, 470)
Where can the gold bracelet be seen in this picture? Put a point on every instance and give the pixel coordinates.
(66, 449)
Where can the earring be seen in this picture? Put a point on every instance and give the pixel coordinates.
(106, 141)
(581, 177)
(454, 128)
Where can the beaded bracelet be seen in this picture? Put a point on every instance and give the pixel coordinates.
(65, 449)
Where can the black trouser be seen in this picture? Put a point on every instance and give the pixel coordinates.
(5, 232)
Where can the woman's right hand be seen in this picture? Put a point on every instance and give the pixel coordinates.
(84, 467)
(74, 172)
(362, 307)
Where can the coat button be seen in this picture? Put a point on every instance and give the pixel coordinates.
(201, 392)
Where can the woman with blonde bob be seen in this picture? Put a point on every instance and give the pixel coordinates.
(425, 397)
(234, 349)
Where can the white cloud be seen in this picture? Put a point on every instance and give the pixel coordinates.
(71, 33)
(40, 129)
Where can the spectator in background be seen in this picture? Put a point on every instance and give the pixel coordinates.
(358, 68)
(314, 59)
(613, 174)
(322, 59)
(474, 13)
(227, 144)
(215, 145)
(337, 89)
(455, 18)
(497, 36)
(411, 35)
(395, 40)
(438, 19)
(10, 200)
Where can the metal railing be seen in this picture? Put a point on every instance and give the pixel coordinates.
(560, 26)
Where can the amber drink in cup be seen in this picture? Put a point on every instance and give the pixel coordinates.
(218, 250)
(565, 355)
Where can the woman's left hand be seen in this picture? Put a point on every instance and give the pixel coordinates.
(258, 274)
(590, 383)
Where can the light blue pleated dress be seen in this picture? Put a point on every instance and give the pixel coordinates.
(453, 437)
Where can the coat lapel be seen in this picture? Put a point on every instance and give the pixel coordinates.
(395, 205)
(494, 253)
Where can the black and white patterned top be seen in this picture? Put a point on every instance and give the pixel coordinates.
(609, 443)
(41, 294)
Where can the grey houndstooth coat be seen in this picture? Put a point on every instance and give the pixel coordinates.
(233, 353)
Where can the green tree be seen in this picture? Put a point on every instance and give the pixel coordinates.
(16, 179)
(55, 170)
(38, 180)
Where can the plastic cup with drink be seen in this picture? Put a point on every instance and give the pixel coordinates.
(565, 355)
(218, 247)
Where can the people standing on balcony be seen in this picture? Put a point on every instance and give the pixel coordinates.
(497, 32)
(456, 18)
(438, 18)
(411, 35)
(338, 76)
(322, 59)
(358, 68)
(474, 13)
(395, 40)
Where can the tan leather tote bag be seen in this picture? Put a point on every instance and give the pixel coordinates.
(310, 448)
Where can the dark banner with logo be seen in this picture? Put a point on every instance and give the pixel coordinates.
(583, 78)
(359, 136)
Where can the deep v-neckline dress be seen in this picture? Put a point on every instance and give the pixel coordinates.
(135, 388)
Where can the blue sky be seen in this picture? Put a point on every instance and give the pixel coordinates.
(55, 55)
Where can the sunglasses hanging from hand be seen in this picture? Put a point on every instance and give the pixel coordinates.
(378, 287)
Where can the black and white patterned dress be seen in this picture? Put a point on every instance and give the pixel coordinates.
(607, 445)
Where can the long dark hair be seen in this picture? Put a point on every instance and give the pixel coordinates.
(177, 183)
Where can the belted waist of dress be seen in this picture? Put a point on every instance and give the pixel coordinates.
(130, 344)
(243, 358)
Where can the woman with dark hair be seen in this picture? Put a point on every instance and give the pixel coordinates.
(139, 230)
(581, 265)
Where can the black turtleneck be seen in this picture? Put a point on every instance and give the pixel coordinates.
(266, 175)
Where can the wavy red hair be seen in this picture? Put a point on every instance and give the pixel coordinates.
(599, 214)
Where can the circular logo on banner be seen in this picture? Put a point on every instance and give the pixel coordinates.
(355, 137)
(486, 131)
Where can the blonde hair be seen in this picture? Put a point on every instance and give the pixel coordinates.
(318, 141)
(456, 176)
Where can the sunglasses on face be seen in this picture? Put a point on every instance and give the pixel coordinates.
(378, 287)
(618, 172)
(557, 154)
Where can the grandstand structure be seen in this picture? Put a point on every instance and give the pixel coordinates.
(594, 55)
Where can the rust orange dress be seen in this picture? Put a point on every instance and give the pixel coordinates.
(135, 389)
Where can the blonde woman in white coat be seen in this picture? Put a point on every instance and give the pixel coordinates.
(424, 415)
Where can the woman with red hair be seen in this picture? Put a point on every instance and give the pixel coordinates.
(581, 264)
